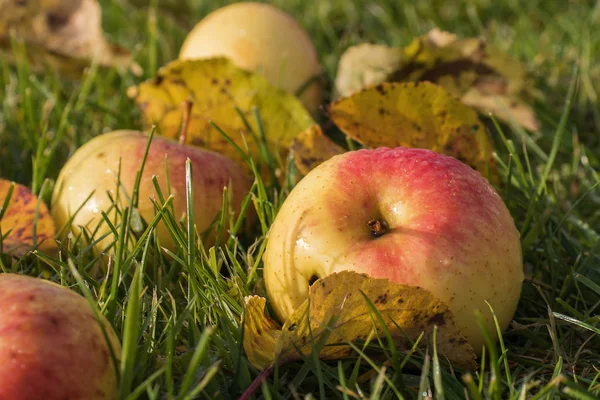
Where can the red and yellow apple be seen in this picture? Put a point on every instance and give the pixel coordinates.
(412, 216)
(259, 37)
(52, 346)
(94, 170)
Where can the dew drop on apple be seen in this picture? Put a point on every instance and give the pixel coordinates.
(300, 242)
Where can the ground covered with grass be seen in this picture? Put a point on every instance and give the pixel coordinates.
(180, 316)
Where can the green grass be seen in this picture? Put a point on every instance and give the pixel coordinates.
(179, 316)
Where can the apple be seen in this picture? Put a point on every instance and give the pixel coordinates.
(51, 344)
(259, 37)
(94, 167)
(412, 216)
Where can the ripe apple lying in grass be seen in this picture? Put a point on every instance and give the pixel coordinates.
(413, 216)
(262, 38)
(51, 344)
(94, 169)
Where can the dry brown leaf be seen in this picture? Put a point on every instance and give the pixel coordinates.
(65, 34)
(215, 87)
(337, 312)
(417, 114)
(20, 234)
(504, 108)
(365, 65)
(479, 74)
(311, 148)
(441, 38)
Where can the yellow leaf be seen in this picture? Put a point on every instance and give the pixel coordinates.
(65, 34)
(416, 115)
(260, 333)
(439, 54)
(311, 148)
(340, 310)
(480, 75)
(17, 222)
(216, 87)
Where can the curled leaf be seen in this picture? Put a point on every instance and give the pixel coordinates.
(346, 307)
(66, 34)
(311, 148)
(216, 87)
(18, 228)
(260, 332)
(505, 108)
(416, 115)
(440, 38)
(479, 74)
(365, 65)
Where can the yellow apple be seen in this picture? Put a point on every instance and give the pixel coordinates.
(262, 38)
(412, 216)
(93, 170)
(52, 346)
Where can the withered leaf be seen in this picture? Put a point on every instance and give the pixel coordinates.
(215, 87)
(311, 148)
(479, 74)
(418, 114)
(18, 230)
(365, 65)
(338, 312)
(504, 108)
(260, 332)
(65, 34)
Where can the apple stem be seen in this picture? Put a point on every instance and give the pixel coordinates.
(378, 227)
(185, 122)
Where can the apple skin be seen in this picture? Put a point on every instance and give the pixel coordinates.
(449, 232)
(51, 344)
(261, 38)
(93, 168)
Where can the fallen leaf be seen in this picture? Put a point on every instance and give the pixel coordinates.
(18, 230)
(260, 332)
(311, 148)
(65, 34)
(216, 87)
(365, 65)
(479, 74)
(504, 108)
(441, 38)
(339, 311)
(417, 114)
